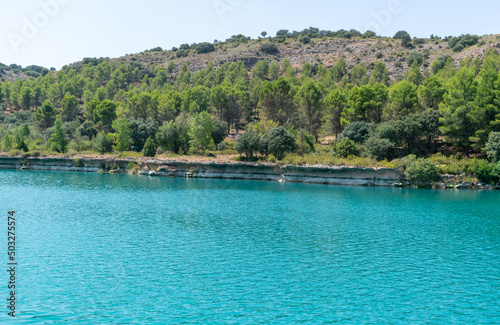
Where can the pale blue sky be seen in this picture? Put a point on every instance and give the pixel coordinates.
(52, 36)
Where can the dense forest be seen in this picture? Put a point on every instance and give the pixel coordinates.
(435, 110)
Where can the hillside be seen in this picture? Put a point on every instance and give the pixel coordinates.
(325, 50)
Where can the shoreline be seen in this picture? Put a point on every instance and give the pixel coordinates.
(312, 174)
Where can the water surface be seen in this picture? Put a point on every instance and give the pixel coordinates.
(123, 249)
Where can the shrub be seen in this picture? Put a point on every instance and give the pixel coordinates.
(248, 144)
(305, 143)
(269, 48)
(220, 130)
(279, 141)
(357, 132)
(379, 148)
(484, 172)
(422, 171)
(493, 147)
(102, 143)
(344, 148)
(149, 148)
(204, 48)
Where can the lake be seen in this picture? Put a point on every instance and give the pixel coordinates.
(121, 249)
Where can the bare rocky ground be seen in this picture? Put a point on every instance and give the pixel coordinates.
(326, 51)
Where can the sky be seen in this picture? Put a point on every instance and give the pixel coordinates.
(53, 33)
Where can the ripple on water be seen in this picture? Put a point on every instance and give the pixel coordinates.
(135, 250)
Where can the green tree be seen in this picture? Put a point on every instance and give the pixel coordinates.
(123, 134)
(149, 148)
(415, 75)
(58, 140)
(276, 101)
(169, 137)
(379, 148)
(69, 106)
(336, 102)
(404, 37)
(456, 109)
(403, 99)
(311, 104)
(200, 133)
(45, 115)
(366, 103)
(493, 147)
(278, 142)
(104, 114)
(248, 143)
(431, 93)
(220, 130)
(358, 132)
(102, 143)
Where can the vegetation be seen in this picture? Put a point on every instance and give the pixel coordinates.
(273, 107)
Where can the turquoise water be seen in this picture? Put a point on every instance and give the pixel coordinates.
(120, 249)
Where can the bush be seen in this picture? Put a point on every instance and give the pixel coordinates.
(414, 56)
(102, 143)
(204, 48)
(220, 130)
(305, 143)
(345, 148)
(484, 172)
(493, 147)
(269, 48)
(422, 171)
(248, 144)
(357, 132)
(149, 148)
(379, 148)
(279, 141)
(305, 39)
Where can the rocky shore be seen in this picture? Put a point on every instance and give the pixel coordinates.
(338, 175)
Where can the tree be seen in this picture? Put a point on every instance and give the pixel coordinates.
(104, 114)
(200, 133)
(366, 103)
(169, 137)
(379, 148)
(171, 67)
(431, 93)
(380, 74)
(404, 37)
(58, 140)
(415, 75)
(276, 101)
(279, 141)
(403, 100)
(102, 143)
(311, 103)
(21, 145)
(25, 98)
(248, 144)
(141, 131)
(493, 147)
(261, 69)
(456, 109)
(336, 102)
(264, 34)
(357, 132)
(69, 108)
(45, 115)
(123, 134)
(220, 130)
(149, 148)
